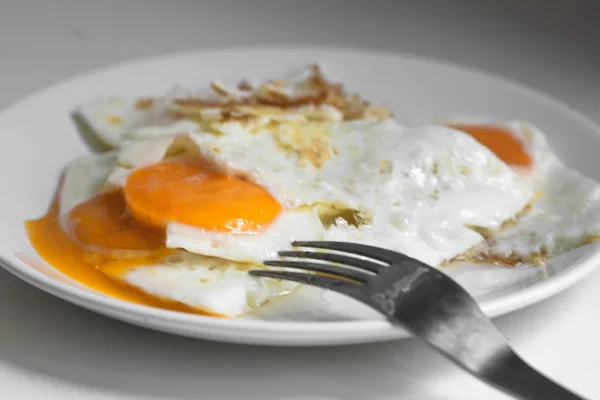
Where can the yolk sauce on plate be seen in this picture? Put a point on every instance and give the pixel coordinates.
(100, 240)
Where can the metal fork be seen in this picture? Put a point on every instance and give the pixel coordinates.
(428, 303)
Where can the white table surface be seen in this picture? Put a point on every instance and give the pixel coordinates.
(52, 350)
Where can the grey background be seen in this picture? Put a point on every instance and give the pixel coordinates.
(50, 348)
(553, 45)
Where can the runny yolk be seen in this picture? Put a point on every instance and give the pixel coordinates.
(500, 141)
(190, 193)
(103, 222)
(87, 256)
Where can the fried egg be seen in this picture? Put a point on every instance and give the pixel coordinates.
(565, 215)
(91, 231)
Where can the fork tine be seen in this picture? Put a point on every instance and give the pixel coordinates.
(324, 282)
(342, 272)
(335, 258)
(373, 252)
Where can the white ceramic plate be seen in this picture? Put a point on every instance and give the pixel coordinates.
(39, 138)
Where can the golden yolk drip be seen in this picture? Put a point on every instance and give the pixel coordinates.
(106, 244)
(112, 240)
(192, 194)
(500, 141)
(104, 222)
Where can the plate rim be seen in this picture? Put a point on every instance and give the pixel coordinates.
(92, 300)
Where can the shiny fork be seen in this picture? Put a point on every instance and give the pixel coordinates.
(425, 301)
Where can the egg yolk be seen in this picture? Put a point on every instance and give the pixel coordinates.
(500, 141)
(192, 194)
(103, 222)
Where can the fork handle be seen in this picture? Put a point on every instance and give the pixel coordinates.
(516, 377)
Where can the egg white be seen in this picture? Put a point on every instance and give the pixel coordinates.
(208, 284)
(303, 224)
(83, 178)
(109, 119)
